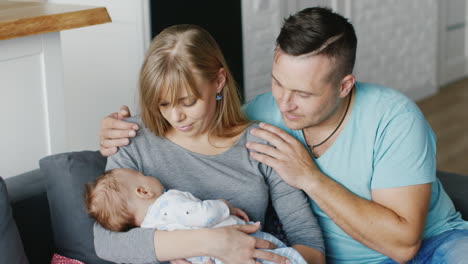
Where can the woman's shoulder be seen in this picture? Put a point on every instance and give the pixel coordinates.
(144, 135)
(248, 127)
(135, 119)
(248, 135)
(251, 125)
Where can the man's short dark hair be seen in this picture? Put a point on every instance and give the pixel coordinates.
(320, 31)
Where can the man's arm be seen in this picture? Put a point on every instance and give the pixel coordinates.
(392, 223)
(114, 132)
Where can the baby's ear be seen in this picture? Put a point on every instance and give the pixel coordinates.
(144, 192)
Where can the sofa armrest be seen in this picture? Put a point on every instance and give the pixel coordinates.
(30, 208)
(25, 185)
(456, 186)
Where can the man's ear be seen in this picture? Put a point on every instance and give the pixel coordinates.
(144, 193)
(347, 84)
(220, 80)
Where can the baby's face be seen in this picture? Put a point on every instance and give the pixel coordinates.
(133, 179)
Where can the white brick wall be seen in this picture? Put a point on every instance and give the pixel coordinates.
(261, 22)
(397, 42)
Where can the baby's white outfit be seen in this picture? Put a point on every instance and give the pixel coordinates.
(176, 210)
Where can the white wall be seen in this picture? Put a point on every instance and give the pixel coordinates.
(397, 44)
(397, 41)
(101, 65)
(261, 22)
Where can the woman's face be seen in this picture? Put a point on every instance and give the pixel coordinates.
(191, 116)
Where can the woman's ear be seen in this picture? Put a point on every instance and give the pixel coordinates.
(220, 80)
(144, 193)
(347, 84)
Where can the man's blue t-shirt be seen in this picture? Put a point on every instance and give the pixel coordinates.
(386, 143)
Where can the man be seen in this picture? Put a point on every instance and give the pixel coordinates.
(363, 153)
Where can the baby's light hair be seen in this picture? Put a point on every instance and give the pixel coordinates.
(106, 202)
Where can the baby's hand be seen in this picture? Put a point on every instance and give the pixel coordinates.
(239, 213)
(236, 211)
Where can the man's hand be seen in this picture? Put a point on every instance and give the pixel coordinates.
(286, 155)
(114, 132)
(236, 211)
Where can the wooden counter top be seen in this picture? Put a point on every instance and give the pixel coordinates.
(19, 19)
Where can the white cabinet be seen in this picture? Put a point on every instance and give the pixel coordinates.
(31, 101)
(101, 66)
(34, 103)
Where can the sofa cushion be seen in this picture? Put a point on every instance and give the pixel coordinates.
(11, 248)
(455, 186)
(65, 175)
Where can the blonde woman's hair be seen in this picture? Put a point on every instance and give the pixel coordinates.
(172, 58)
(106, 202)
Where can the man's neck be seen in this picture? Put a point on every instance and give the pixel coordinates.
(315, 135)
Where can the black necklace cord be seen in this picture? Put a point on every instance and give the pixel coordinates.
(342, 119)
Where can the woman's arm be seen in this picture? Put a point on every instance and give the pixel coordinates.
(294, 212)
(134, 246)
(230, 244)
(311, 255)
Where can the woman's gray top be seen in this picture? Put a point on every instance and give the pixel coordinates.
(232, 175)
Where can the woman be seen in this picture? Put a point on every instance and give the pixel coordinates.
(192, 136)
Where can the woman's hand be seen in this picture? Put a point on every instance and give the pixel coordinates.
(114, 132)
(183, 261)
(180, 261)
(234, 245)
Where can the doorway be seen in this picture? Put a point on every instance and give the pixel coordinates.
(453, 48)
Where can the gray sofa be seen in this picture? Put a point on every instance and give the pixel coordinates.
(48, 211)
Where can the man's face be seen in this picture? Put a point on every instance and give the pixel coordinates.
(302, 89)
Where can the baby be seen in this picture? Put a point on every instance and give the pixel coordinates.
(121, 199)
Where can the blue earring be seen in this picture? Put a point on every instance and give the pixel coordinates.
(218, 96)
